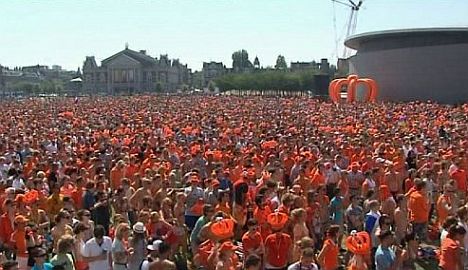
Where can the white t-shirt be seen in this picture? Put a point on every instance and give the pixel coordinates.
(92, 249)
(299, 266)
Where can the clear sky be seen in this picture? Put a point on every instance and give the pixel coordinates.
(64, 32)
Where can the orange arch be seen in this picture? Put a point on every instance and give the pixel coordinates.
(331, 90)
(338, 86)
(351, 83)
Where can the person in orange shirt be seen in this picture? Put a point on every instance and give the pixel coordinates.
(260, 214)
(460, 176)
(77, 193)
(418, 205)
(328, 256)
(278, 245)
(6, 222)
(318, 177)
(18, 240)
(450, 256)
(252, 241)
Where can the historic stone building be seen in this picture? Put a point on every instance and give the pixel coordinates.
(130, 71)
(212, 70)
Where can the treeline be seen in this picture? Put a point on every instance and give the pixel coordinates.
(44, 87)
(300, 81)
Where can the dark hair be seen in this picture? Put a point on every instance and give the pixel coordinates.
(79, 228)
(164, 248)
(456, 230)
(252, 260)
(99, 231)
(207, 208)
(252, 222)
(58, 267)
(61, 215)
(384, 234)
(449, 221)
(9, 264)
(399, 198)
(411, 236)
(333, 231)
(462, 212)
(383, 218)
(81, 213)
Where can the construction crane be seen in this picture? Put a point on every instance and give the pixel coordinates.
(352, 21)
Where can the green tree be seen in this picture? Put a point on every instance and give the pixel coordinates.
(281, 63)
(158, 87)
(211, 86)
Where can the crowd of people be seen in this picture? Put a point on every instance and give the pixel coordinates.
(229, 183)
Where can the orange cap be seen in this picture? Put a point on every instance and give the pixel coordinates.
(277, 220)
(20, 219)
(223, 228)
(227, 246)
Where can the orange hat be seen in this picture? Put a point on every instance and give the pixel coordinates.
(277, 220)
(223, 229)
(358, 243)
(19, 198)
(226, 246)
(31, 196)
(20, 219)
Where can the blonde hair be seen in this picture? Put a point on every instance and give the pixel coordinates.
(65, 243)
(298, 213)
(155, 217)
(120, 230)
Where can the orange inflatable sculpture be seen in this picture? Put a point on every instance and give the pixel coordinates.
(358, 243)
(351, 83)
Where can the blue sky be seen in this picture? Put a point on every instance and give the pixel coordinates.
(64, 32)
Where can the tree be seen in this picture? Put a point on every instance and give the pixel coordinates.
(211, 86)
(240, 61)
(269, 80)
(281, 63)
(158, 87)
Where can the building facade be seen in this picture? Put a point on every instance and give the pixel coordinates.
(129, 71)
(211, 71)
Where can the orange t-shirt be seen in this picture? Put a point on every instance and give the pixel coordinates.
(77, 196)
(251, 242)
(317, 180)
(277, 247)
(6, 228)
(419, 207)
(448, 254)
(18, 238)
(460, 177)
(330, 258)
